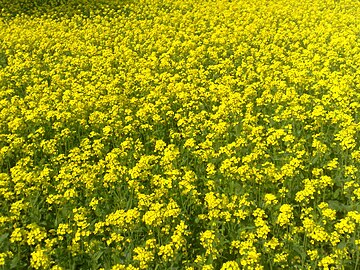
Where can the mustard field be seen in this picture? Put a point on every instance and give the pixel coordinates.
(180, 134)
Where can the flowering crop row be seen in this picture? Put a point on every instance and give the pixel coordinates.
(180, 134)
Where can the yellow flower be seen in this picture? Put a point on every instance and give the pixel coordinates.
(207, 238)
(230, 265)
(270, 199)
(333, 164)
(143, 256)
(94, 202)
(56, 267)
(286, 214)
(17, 235)
(166, 252)
(282, 257)
(4, 256)
(326, 262)
(345, 226)
(160, 145)
(313, 254)
(39, 259)
(35, 235)
(272, 243)
(210, 169)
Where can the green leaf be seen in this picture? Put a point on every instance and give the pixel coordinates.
(3, 237)
(15, 263)
(300, 250)
(337, 193)
(341, 245)
(3, 60)
(338, 206)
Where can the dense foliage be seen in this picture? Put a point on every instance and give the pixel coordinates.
(180, 134)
